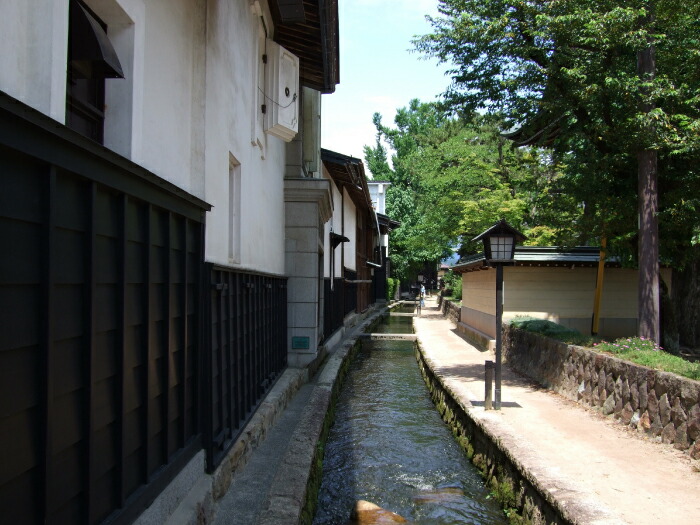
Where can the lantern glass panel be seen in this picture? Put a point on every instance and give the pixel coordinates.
(501, 247)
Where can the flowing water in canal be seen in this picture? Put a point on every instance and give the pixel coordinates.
(389, 446)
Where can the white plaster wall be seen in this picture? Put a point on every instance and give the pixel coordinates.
(185, 109)
(33, 53)
(148, 114)
(232, 40)
(373, 194)
(337, 227)
(327, 229)
(381, 202)
(335, 224)
(168, 89)
(350, 231)
(377, 192)
(126, 29)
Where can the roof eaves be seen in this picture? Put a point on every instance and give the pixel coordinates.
(312, 36)
(547, 255)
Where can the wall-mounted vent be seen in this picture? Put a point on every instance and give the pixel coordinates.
(282, 92)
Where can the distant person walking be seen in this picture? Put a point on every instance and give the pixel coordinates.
(422, 295)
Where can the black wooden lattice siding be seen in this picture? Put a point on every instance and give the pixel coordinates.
(121, 353)
(334, 305)
(350, 291)
(247, 337)
(100, 284)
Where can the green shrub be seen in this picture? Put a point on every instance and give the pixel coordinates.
(647, 353)
(453, 285)
(391, 286)
(457, 292)
(553, 330)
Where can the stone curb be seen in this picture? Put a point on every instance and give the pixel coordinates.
(256, 430)
(289, 493)
(560, 494)
(200, 503)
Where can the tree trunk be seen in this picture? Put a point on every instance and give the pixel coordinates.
(685, 294)
(648, 287)
(648, 291)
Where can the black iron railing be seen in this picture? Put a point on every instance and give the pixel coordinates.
(247, 316)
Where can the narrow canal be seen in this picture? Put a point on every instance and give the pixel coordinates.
(389, 446)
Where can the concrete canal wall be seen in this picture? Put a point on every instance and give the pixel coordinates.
(516, 489)
(662, 405)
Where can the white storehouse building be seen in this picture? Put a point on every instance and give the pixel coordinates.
(169, 230)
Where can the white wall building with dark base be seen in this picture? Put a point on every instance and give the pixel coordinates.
(161, 186)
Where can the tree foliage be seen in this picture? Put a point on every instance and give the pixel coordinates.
(565, 71)
(454, 177)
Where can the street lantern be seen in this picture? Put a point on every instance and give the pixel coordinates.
(499, 249)
(499, 242)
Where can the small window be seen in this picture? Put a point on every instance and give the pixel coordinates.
(91, 60)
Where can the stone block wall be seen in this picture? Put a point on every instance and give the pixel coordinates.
(659, 404)
(450, 310)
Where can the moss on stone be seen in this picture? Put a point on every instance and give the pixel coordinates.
(503, 490)
(316, 475)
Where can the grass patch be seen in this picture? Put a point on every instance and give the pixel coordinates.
(553, 330)
(647, 353)
(634, 349)
(452, 299)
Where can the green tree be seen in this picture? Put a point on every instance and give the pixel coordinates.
(573, 64)
(409, 248)
(376, 160)
(453, 178)
(566, 72)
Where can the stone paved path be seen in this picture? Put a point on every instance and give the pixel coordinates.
(599, 470)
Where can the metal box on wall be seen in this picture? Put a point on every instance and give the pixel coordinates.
(282, 92)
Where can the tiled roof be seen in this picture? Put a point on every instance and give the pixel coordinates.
(542, 256)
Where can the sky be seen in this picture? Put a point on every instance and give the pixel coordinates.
(378, 70)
